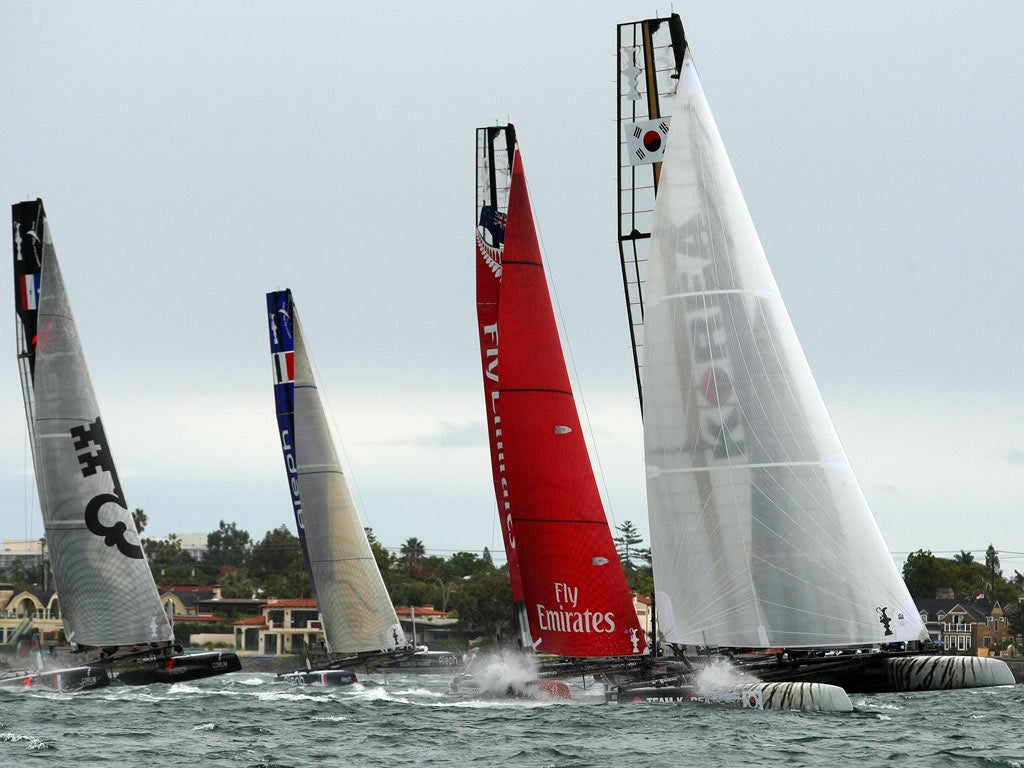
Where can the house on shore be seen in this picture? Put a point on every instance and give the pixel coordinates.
(971, 627)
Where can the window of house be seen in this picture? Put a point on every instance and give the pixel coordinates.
(987, 641)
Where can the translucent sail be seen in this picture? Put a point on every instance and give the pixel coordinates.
(107, 593)
(354, 604)
(575, 592)
(761, 536)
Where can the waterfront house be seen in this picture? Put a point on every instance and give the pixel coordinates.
(969, 627)
(285, 626)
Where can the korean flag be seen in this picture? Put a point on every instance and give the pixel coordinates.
(645, 140)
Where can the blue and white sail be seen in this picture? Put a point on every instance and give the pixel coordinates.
(356, 611)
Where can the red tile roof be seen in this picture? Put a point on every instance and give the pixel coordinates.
(421, 610)
(298, 602)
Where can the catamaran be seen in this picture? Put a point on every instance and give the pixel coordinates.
(570, 593)
(762, 540)
(111, 609)
(361, 628)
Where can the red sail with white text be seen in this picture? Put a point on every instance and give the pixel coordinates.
(495, 147)
(577, 599)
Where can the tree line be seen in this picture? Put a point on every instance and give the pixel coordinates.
(467, 583)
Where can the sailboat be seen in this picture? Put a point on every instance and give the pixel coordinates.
(570, 592)
(762, 540)
(360, 626)
(111, 609)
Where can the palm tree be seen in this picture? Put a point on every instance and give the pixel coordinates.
(412, 552)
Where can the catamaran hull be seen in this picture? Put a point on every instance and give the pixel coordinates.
(805, 697)
(885, 673)
(333, 677)
(73, 679)
(425, 661)
(177, 669)
(467, 685)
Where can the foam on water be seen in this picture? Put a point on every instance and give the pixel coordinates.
(496, 673)
(721, 675)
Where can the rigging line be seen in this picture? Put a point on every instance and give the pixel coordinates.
(575, 383)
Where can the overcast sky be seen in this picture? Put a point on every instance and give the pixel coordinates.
(193, 156)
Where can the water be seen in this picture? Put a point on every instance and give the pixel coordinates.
(249, 719)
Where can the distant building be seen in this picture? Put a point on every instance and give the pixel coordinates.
(642, 606)
(286, 626)
(424, 623)
(192, 543)
(39, 609)
(28, 551)
(965, 627)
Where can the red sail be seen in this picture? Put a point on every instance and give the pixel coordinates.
(489, 239)
(576, 595)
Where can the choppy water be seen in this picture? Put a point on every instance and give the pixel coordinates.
(249, 719)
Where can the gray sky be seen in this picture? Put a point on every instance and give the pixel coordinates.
(194, 156)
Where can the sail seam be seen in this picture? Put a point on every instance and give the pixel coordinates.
(536, 389)
(723, 292)
(763, 465)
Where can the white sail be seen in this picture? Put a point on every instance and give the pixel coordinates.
(107, 593)
(761, 536)
(357, 612)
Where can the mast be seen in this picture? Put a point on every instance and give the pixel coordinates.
(495, 149)
(649, 56)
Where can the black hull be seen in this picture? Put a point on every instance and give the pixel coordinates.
(331, 677)
(177, 669)
(73, 679)
(885, 672)
(425, 661)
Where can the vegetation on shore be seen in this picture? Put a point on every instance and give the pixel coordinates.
(469, 583)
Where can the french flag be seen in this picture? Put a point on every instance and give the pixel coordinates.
(30, 291)
(284, 367)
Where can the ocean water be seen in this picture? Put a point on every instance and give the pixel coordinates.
(249, 719)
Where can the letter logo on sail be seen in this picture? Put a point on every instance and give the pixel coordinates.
(90, 444)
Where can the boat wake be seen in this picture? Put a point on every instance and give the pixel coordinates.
(497, 673)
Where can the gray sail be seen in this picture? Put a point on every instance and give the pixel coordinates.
(354, 605)
(107, 593)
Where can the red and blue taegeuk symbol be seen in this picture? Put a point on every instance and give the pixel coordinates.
(652, 141)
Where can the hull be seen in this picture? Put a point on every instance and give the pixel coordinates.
(888, 673)
(72, 679)
(332, 677)
(804, 697)
(426, 661)
(467, 685)
(177, 669)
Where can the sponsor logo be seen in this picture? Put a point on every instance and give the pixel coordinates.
(490, 346)
(293, 476)
(565, 617)
(90, 443)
